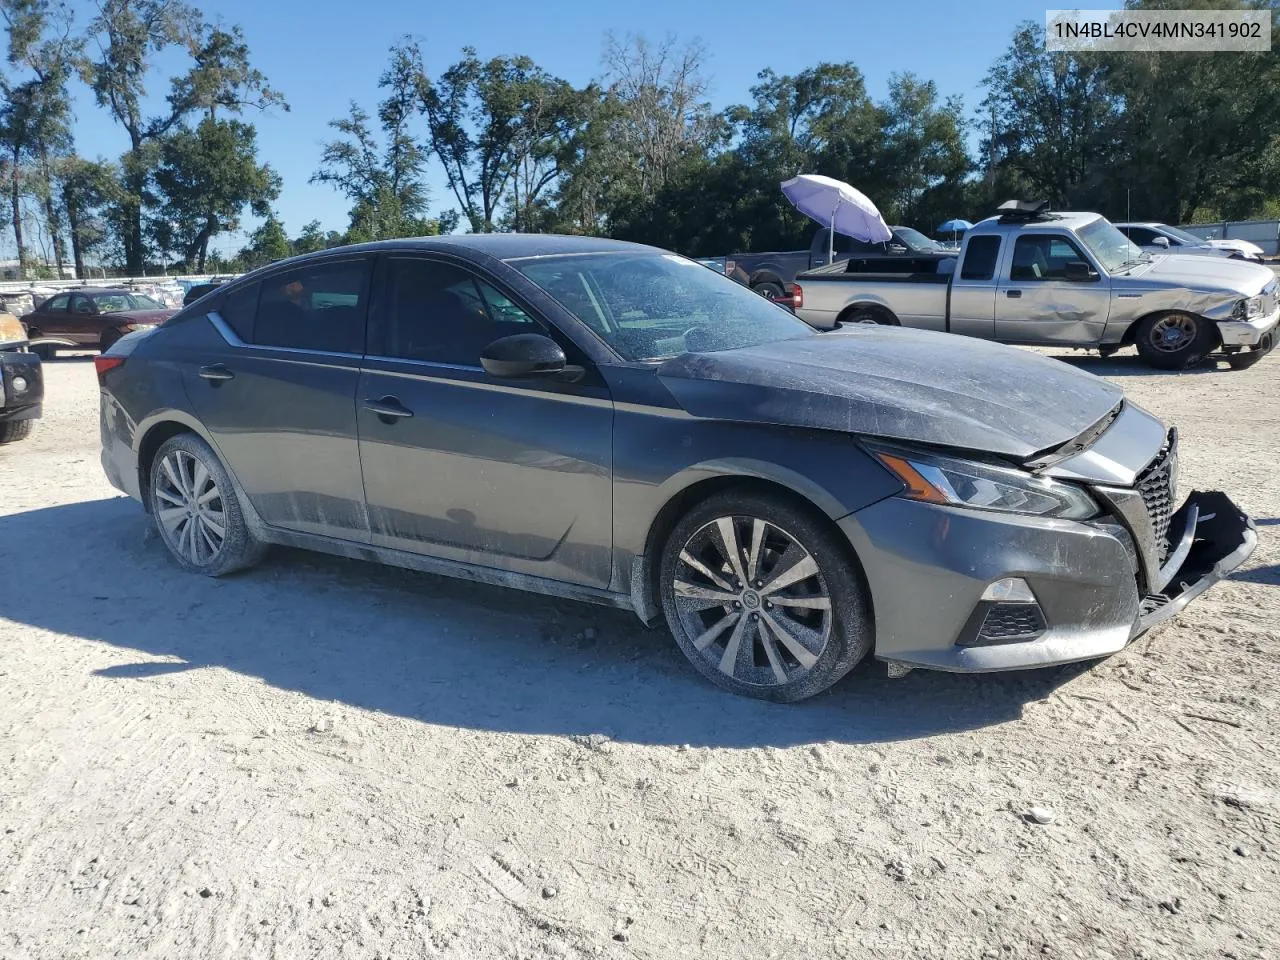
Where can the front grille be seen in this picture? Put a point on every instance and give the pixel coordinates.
(1155, 483)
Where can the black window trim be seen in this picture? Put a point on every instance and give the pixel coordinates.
(233, 339)
(477, 275)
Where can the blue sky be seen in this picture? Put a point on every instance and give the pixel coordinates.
(323, 53)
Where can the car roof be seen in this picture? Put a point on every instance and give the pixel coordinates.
(113, 291)
(1056, 220)
(476, 246)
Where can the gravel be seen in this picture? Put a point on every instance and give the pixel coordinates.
(161, 724)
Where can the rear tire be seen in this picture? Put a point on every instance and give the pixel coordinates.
(15, 430)
(770, 291)
(868, 315)
(752, 626)
(1175, 340)
(196, 510)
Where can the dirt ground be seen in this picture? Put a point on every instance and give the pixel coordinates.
(321, 758)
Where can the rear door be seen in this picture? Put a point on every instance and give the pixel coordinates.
(52, 319)
(512, 474)
(1038, 304)
(278, 393)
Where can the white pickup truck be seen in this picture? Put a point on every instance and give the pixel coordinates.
(1071, 279)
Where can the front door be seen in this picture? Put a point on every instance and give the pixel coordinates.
(509, 474)
(277, 390)
(1038, 304)
(84, 325)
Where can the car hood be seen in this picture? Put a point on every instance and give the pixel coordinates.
(1205, 274)
(141, 316)
(909, 385)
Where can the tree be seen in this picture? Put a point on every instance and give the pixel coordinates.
(85, 188)
(207, 177)
(129, 35)
(1052, 116)
(313, 238)
(382, 173)
(35, 117)
(499, 128)
(269, 242)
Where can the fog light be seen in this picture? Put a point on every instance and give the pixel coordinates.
(1009, 590)
(19, 384)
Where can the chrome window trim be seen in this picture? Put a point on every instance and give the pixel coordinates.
(233, 340)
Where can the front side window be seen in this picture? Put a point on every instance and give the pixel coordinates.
(1043, 257)
(651, 306)
(319, 306)
(440, 313)
(1142, 236)
(82, 305)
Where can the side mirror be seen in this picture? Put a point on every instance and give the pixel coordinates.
(523, 356)
(1160, 242)
(1080, 272)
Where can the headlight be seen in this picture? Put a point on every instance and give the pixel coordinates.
(963, 483)
(1248, 309)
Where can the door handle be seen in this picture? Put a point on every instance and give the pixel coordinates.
(1013, 294)
(216, 373)
(388, 409)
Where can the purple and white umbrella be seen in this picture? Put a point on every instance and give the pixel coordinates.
(838, 207)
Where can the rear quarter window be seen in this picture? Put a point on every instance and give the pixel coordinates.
(238, 309)
(980, 255)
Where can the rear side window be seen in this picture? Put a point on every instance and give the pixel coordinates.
(56, 304)
(239, 308)
(318, 306)
(980, 255)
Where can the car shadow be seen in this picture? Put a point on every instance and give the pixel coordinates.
(1131, 365)
(443, 651)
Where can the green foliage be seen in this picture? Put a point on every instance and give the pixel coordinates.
(266, 244)
(208, 176)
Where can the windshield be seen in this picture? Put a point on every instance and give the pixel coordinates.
(917, 240)
(119, 302)
(1111, 247)
(653, 306)
(1182, 235)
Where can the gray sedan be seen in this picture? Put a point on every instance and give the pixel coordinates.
(618, 424)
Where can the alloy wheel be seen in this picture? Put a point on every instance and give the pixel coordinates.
(1172, 333)
(190, 508)
(753, 600)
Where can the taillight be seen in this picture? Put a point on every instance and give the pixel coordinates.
(103, 362)
(797, 296)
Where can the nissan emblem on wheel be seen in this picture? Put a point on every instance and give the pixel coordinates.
(617, 424)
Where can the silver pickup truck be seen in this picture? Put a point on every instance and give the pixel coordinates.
(1069, 279)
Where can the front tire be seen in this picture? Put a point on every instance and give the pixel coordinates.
(15, 430)
(1175, 340)
(763, 597)
(196, 511)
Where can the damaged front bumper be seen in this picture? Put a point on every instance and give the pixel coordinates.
(1211, 537)
(931, 570)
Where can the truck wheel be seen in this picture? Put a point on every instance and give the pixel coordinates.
(770, 291)
(868, 315)
(15, 430)
(1176, 340)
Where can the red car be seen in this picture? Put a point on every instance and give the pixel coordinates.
(90, 319)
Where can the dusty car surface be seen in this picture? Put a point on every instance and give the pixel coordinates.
(91, 319)
(21, 383)
(1067, 279)
(618, 424)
